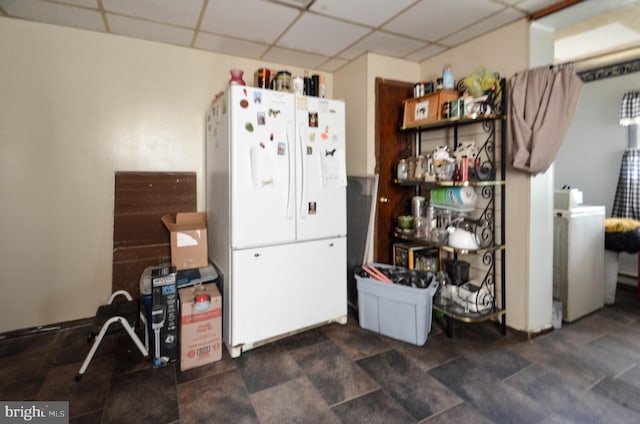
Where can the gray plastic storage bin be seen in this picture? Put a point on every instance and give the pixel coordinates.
(396, 311)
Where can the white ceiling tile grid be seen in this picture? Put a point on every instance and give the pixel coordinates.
(152, 31)
(433, 20)
(319, 34)
(54, 13)
(184, 12)
(253, 20)
(367, 12)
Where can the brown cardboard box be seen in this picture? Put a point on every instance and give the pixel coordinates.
(426, 109)
(200, 330)
(188, 239)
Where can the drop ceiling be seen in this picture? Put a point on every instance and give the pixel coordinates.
(317, 34)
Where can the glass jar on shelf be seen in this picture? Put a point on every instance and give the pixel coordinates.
(420, 228)
(420, 168)
(403, 169)
(443, 295)
(411, 168)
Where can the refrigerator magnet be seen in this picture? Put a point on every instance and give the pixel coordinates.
(281, 149)
(257, 97)
(312, 208)
(313, 119)
(244, 103)
(312, 136)
(324, 136)
(249, 126)
(309, 150)
(261, 118)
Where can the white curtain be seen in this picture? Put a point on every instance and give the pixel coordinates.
(542, 104)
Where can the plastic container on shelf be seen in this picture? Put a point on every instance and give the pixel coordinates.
(459, 198)
(447, 78)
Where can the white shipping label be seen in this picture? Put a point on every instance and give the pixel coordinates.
(186, 240)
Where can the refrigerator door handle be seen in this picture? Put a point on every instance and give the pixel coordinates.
(303, 172)
(290, 178)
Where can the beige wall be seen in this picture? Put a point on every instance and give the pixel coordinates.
(356, 83)
(350, 84)
(75, 107)
(388, 68)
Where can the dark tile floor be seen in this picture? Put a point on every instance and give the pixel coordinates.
(585, 372)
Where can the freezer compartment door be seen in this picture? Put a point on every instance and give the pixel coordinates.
(281, 289)
(262, 167)
(321, 171)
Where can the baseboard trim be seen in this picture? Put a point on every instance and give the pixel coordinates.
(51, 328)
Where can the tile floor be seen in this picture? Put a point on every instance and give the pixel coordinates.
(586, 372)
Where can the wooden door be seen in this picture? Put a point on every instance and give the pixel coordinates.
(391, 145)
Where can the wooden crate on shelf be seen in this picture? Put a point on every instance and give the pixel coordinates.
(426, 109)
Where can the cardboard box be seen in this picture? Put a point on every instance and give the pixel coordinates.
(164, 316)
(426, 109)
(200, 325)
(188, 239)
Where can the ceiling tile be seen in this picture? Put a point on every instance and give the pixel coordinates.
(332, 65)
(230, 46)
(256, 20)
(425, 53)
(294, 58)
(319, 34)
(486, 25)
(85, 3)
(383, 43)
(53, 13)
(435, 19)
(369, 12)
(149, 30)
(183, 12)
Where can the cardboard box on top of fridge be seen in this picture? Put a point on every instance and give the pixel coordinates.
(188, 239)
(200, 325)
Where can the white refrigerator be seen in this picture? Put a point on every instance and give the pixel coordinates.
(276, 211)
